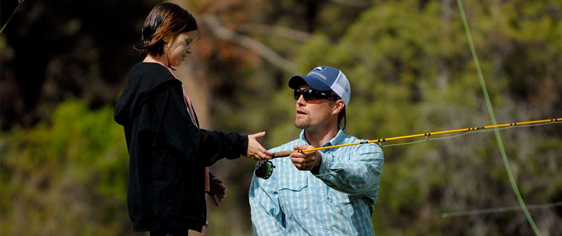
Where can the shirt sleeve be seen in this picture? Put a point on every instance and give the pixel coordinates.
(356, 173)
(267, 216)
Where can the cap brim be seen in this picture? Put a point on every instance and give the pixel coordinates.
(315, 83)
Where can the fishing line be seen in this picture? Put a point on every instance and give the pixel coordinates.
(19, 3)
(462, 134)
(493, 118)
(498, 210)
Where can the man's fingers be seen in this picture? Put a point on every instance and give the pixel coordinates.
(297, 155)
(301, 147)
(306, 160)
(298, 162)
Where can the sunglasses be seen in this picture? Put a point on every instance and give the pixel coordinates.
(313, 95)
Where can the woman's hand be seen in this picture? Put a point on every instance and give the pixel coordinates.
(255, 149)
(218, 190)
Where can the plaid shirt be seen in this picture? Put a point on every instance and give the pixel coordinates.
(339, 200)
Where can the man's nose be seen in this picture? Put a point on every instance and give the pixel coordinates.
(301, 101)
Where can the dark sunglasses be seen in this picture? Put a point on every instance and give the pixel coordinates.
(313, 95)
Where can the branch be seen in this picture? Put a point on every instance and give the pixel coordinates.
(352, 3)
(217, 29)
(281, 32)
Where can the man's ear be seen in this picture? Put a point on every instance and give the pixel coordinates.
(339, 105)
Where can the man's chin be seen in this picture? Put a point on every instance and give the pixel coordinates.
(300, 126)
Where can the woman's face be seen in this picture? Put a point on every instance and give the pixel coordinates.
(179, 47)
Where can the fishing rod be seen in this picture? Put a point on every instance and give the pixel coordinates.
(264, 169)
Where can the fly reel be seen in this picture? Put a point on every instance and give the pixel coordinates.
(264, 169)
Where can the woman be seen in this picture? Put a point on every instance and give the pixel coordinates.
(168, 152)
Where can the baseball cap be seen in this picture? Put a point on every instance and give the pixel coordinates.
(324, 78)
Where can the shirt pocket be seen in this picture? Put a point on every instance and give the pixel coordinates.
(296, 197)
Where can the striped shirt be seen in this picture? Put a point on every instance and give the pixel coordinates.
(339, 200)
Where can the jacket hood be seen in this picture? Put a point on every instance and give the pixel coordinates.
(144, 80)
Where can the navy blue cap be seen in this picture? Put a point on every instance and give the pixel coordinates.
(324, 78)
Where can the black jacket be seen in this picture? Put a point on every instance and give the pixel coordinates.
(167, 152)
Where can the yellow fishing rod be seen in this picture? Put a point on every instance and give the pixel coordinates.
(427, 135)
(264, 169)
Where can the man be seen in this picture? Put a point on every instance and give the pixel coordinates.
(328, 192)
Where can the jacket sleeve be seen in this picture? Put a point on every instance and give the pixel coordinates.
(175, 128)
(356, 175)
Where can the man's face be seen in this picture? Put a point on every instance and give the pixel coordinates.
(313, 114)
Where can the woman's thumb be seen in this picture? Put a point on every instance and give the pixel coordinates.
(258, 135)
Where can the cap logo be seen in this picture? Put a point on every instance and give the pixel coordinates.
(319, 68)
(318, 74)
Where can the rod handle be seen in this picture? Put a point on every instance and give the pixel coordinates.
(282, 154)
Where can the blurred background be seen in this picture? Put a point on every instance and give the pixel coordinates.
(64, 63)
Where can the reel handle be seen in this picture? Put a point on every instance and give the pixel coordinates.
(281, 154)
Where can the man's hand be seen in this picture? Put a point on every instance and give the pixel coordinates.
(255, 149)
(306, 160)
(218, 190)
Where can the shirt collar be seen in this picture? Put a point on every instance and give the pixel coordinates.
(340, 136)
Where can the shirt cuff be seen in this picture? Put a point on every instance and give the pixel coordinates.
(325, 165)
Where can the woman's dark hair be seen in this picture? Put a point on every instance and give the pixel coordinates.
(165, 21)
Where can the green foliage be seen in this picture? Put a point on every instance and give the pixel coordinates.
(68, 176)
(410, 70)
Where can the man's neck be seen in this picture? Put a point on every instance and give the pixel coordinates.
(318, 137)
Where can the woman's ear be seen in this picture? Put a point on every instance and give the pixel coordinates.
(167, 42)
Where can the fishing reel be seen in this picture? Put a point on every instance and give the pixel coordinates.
(264, 169)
